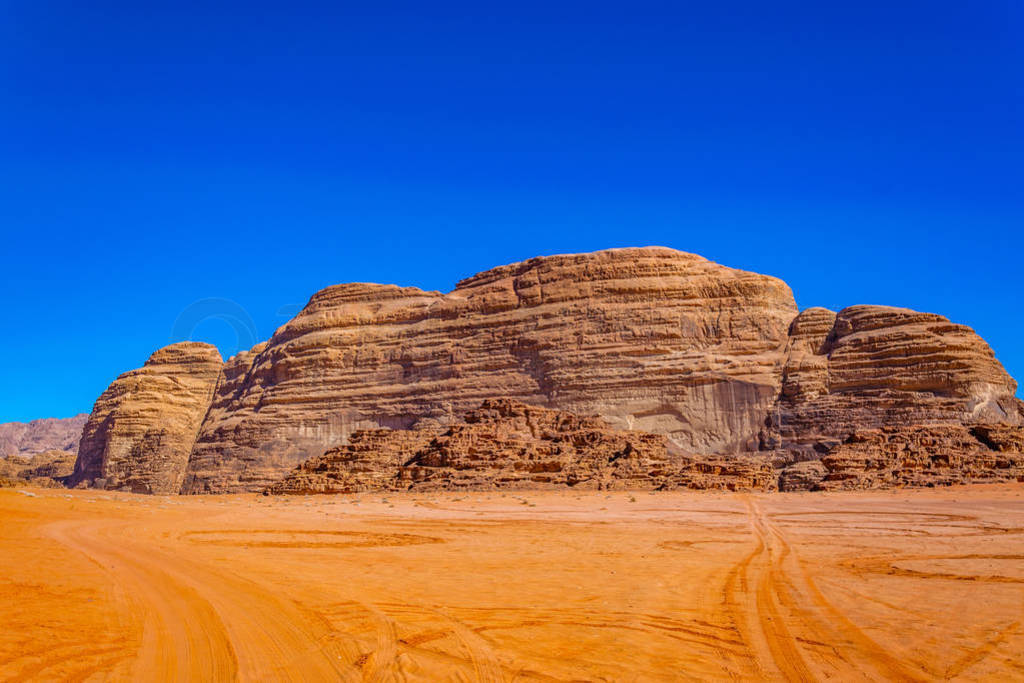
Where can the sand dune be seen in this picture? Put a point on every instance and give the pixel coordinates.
(905, 585)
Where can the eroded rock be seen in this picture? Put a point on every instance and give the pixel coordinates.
(506, 444)
(650, 339)
(713, 359)
(915, 456)
(50, 469)
(143, 427)
(879, 366)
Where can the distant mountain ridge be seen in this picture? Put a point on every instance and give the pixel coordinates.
(38, 436)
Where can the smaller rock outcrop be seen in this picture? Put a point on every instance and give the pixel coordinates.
(506, 444)
(915, 456)
(141, 430)
(869, 367)
(49, 469)
(802, 476)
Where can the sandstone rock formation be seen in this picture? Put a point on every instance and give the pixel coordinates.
(875, 366)
(49, 469)
(506, 444)
(650, 339)
(805, 475)
(935, 455)
(714, 359)
(38, 436)
(143, 427)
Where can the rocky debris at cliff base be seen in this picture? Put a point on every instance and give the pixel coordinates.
(50, 469)
(802, 476)
(506, 444)
(914, 456)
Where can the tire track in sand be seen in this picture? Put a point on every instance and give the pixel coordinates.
(199, 624)
(789, 582)
(784, 649)
(747, 603)
(790, 631)
(486, 667)
(182, 636)
(981, 652)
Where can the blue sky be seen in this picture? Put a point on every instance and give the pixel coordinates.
(153, 155)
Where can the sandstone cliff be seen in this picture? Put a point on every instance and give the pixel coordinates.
(716, 360)
(506, 444)
(876, 366)
(143, 427)
(38, 436)
(650, 339)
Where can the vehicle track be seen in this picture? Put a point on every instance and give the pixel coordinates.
(244, 595)
(850, 643)
(182, 636)
(203, 625)
(788, 627)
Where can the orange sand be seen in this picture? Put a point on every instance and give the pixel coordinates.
(558, 586)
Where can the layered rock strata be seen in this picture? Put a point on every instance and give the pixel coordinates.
(714, 359)
(49, 469)
(876, 366)
(914, 456)
(650, 339)
(143, 427)
(507, 444)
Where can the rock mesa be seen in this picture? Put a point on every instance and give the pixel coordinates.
(718, 361)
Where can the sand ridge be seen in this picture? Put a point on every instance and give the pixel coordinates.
(908, 585)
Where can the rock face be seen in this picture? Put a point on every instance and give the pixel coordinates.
(716, 360)
(38, 436)
(506, 444)
(802, 476)
(875, 366)
(49, 468)
(937, 455)
(143, 427)
(650, 339)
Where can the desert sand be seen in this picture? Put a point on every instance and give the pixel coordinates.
(908, 585)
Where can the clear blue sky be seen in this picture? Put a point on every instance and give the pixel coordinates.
(156, 154)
